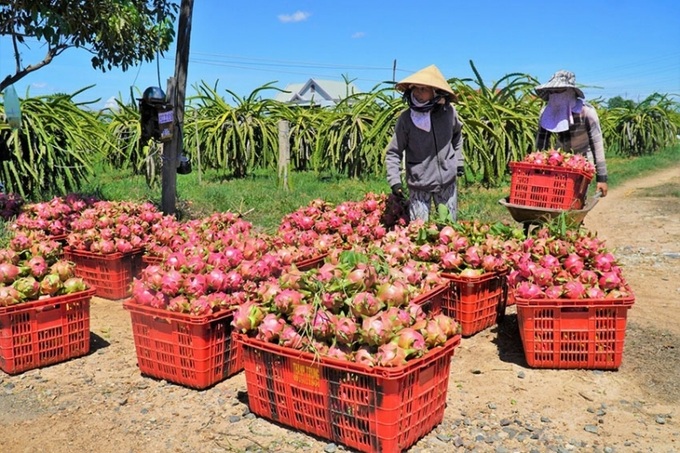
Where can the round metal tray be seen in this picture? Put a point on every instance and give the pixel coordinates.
(534, 215)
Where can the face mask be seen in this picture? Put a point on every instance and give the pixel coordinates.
(414, 104)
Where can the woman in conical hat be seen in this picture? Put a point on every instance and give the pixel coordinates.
(572, 122)
(428, 139)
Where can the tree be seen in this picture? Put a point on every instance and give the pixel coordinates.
(52, 154)
(619, 102)
(118, 33)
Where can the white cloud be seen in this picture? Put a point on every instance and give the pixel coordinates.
(111, 103)
(39, 86)
(297, 16)
(358, 35)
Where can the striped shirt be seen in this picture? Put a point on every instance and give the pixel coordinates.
(583, 137)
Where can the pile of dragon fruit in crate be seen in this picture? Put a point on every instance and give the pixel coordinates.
(359, 302)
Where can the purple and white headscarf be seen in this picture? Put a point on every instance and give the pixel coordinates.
(420, 119)
(557, 115)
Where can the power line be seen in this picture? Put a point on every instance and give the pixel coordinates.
(270, 68)
(640, 68)
(289, 63)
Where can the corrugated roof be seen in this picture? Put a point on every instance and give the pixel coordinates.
(316, 91)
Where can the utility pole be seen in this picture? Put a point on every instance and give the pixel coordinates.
(177, 92)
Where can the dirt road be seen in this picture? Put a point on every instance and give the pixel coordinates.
(495, 402)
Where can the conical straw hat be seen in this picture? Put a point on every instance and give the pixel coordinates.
(430, 76)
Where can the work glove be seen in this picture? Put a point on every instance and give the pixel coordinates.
(397, 191)
(460, 171)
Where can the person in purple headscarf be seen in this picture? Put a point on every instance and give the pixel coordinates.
(573, 122)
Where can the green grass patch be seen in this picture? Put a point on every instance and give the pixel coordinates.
(262, 199)
(621, 169)
(477, 202)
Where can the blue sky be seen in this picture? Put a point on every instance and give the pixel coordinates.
(616, 48)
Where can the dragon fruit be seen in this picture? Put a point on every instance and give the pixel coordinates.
(270, 328)
(28, 287)
(411, 341)
(247, 317)
(51, 284)
(391, 355)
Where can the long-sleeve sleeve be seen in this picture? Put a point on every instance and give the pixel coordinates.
(394, 154)
(457, 140)
(596, 144)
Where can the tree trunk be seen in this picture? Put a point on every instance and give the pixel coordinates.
(172, 149)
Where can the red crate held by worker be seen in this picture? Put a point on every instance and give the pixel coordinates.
(546, 186)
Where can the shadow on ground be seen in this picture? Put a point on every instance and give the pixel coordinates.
(97, 343)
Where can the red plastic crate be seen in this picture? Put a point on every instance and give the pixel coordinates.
(60, 238)
(432, 301)
(151, 259)
(44, 332)
(111, 274)
(475, 302)
(549, 187)
(566, 333)
(310, 263)
(193, 351)
(377, 409)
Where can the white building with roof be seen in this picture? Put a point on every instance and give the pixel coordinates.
(316, 92)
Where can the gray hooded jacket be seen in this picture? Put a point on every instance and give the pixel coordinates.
(431, 158)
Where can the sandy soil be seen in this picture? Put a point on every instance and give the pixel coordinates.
(495, 402)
